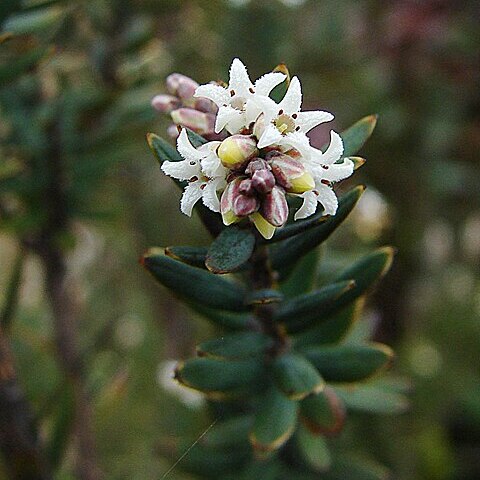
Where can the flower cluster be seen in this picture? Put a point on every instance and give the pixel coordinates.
(259, 152)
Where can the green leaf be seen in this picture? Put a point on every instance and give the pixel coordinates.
(295, 376)
(162, 150)
(373, 399)
(236, 345)
(355, 136)
(194, 256)
(299, 313)
(275, 421)
(12, 291)
(264, 297)
(279, 91)
(195, 139)
(353, 467)
(230, 250)
(322, 226)
(333, 329)
(216, 377)
(34, 21)
(303, 277)
(314, 450)
(324, 413)
(221, 318)
(366, 273)
(229, 434)
(193, 283)
(349, 363)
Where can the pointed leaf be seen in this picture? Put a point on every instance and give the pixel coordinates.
(235, 346)
(275, 421)
(349, 363)
(373, 399)
(303, 277)
(355, 136)
(230, 250)
(280, 90)
(333, 329)
(193, 283)
(324, 413)
(302, 312)
(213, 376)
(162, 149)
(195, 139)
(295, 376)
(221, 318)
(194, 256)
(314, 450)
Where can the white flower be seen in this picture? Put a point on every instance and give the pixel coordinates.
(238, 102)
(203, 172)
(325, 171)
(283, 123)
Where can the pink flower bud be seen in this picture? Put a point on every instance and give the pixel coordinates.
(256, 164)
(274, 207)
(199, 122)
(172, 131)
(246, 187)
(263, 180)
(227, 199)
(181, 85)
(290, 173)
(205, 105)
(165, 103)
(244, 205)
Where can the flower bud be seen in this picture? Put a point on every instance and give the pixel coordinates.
(266, 229)
(229, 195)
(274, 207)
(172, 131)
(181, 85)
(263, 180)
(244, 205)
(165, 103)
(205, 105)
(256, 164)
(246, 187)
(291, 174)
(235, 151)
(199, 122)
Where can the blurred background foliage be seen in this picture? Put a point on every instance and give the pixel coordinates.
(81, 198)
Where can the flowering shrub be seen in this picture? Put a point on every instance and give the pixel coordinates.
(286, 367)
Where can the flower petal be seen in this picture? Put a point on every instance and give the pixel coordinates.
(212, 166)
(239, 79)
(215, 93)
(191, 195)
(308, 207)
(338, 171)
(264, 85)
(327, 197)
(334, 150)
(183, 170)
(210, 196)
(308, 120)
(186, 149)
(299, 141)
(230, 118)
(270, 136)
(293, 98)
(269, 108)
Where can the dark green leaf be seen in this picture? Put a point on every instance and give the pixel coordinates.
(301, 312)
(355, 136)
(349, 363)
(230, 250)
(264, 297)
(11, 293)
(193, 283)
(216, 377)
(34, 21)
(279, 91)
(236, 345)
(331, 330)
(295, 376)
(352, 467)
(275, 421)
(303, 277)
(162, 149)
(229, 434)
(314, 450)
(194, 256)
(195, 139)
(324, 413)
(221, 318)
